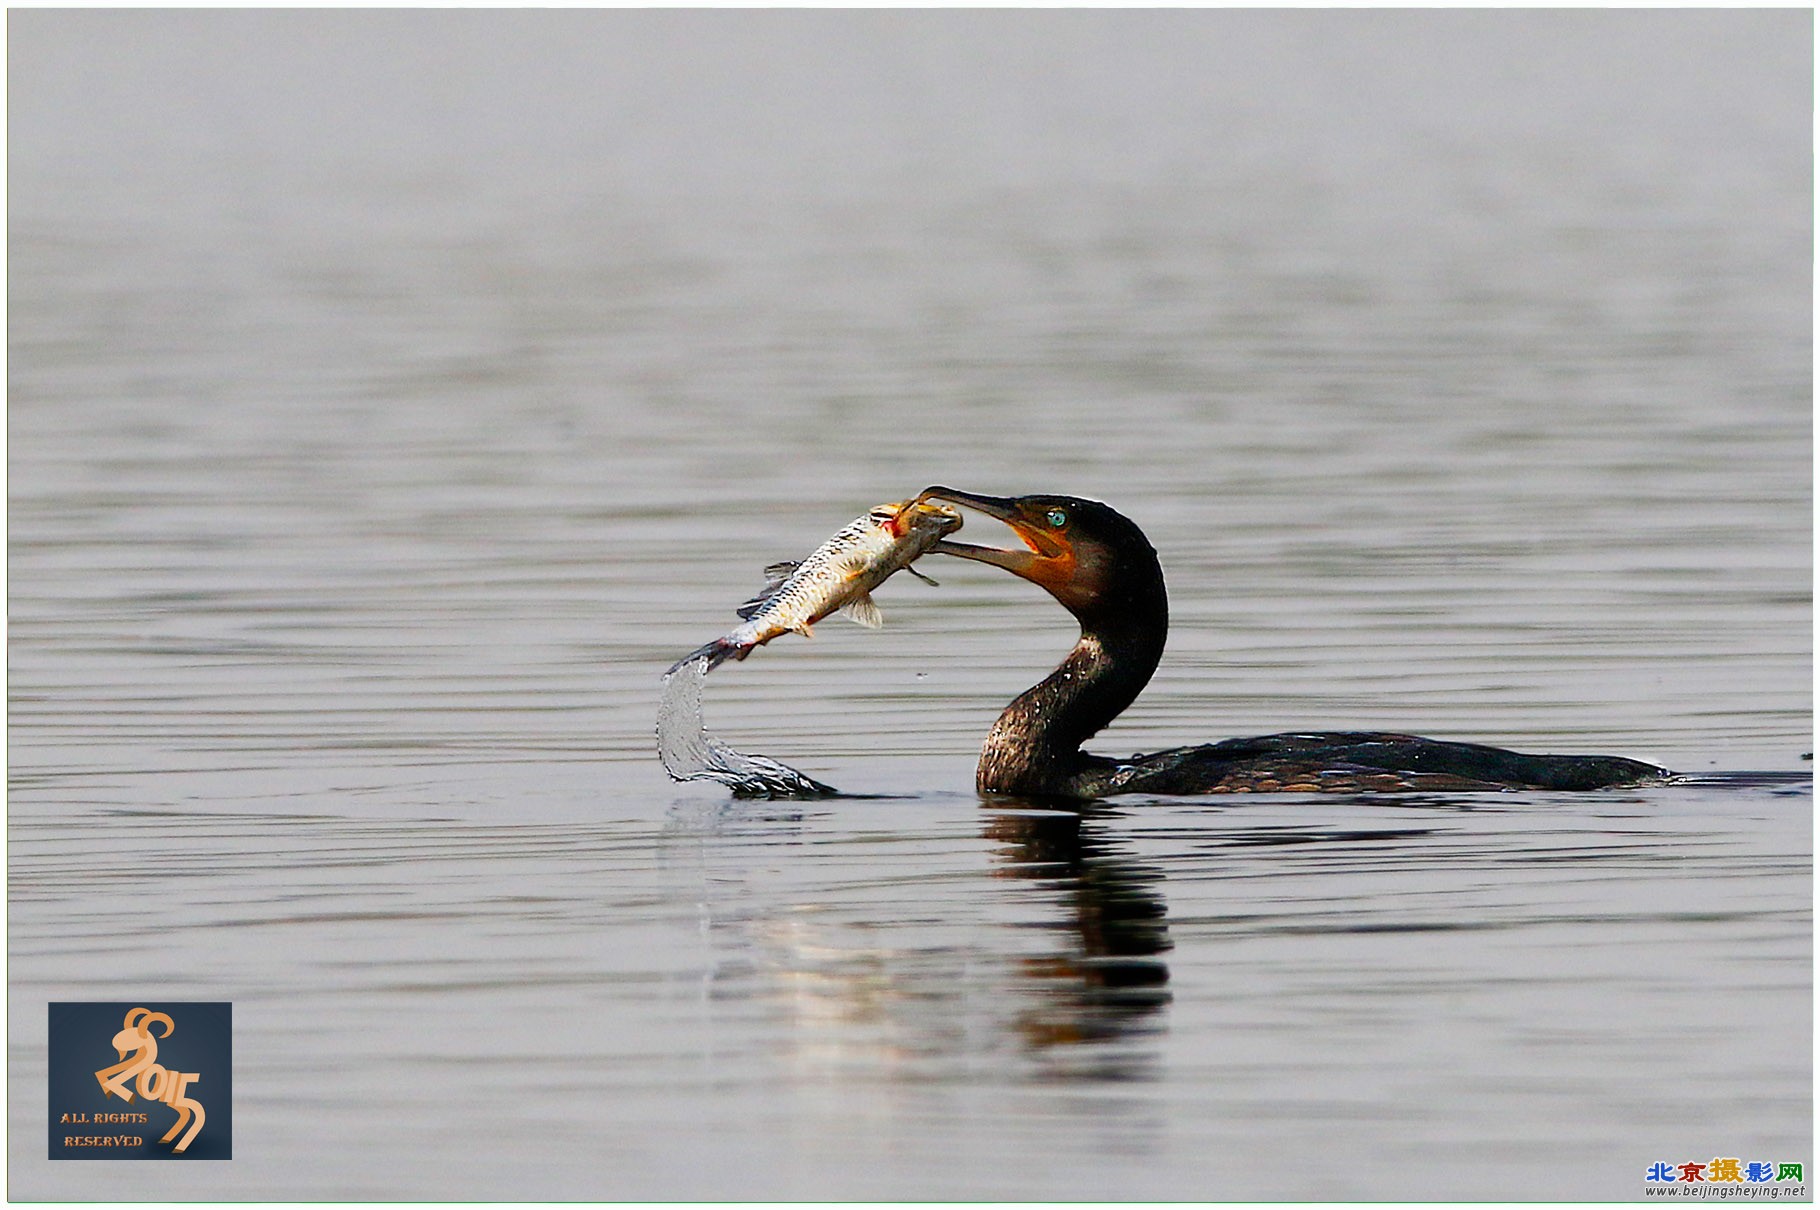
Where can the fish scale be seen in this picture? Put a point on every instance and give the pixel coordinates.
(839, 575)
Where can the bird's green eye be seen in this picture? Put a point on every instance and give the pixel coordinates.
(1057, 518)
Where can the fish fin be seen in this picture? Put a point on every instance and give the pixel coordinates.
(864, 610)
(804, 630)
(775, 575)
(716, 653)
(929, 580)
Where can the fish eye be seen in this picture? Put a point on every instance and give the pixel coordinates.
(1057, 518)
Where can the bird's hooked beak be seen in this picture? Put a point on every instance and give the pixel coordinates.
(1049, 559)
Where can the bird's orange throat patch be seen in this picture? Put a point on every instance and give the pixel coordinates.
(1055, 564)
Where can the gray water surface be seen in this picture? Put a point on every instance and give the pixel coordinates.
(394, 396)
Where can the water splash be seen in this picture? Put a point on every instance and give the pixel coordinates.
(690, 753)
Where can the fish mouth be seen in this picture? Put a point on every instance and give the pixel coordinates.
(905, 515)
(1047, 559)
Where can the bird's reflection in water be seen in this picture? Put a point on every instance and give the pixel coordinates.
(1106, 980)
(891, 977)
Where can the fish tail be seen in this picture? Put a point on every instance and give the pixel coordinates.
(716, 653)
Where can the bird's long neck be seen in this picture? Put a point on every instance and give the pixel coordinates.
(1035, 747)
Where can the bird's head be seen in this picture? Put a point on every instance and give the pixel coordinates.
(1087, 555)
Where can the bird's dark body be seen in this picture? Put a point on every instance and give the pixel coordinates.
(1354, 761)
(1100, 566)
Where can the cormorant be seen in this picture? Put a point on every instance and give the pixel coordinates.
(1103, 570)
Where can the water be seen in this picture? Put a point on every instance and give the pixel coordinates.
(393, 396)
(690, 752)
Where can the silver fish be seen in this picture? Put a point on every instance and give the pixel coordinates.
(840, 575)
